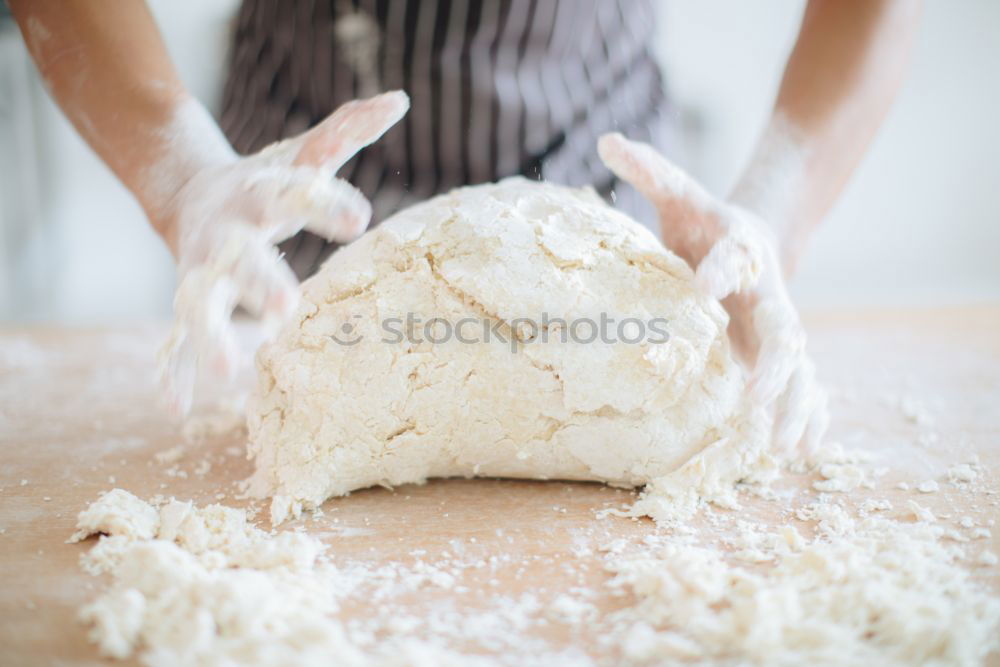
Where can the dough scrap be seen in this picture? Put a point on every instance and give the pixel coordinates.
(117, 512)
(203, 586)
(867, 591)
(337, 408)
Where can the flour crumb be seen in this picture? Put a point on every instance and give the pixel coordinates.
(283, 508)
(928, 486)
(962, 473)
(919, 512)
(570, 610)
(874, 505)
(914, 411)
(168, 456)
(203, 467)
(117, 512)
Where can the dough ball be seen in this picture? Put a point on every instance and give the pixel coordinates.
(349, 396)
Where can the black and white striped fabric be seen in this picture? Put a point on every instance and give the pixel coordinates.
(498, 87)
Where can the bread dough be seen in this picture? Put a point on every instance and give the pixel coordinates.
(340, 405)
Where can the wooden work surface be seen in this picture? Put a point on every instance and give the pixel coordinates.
(78, 416)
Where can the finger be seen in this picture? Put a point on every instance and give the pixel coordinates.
(177, 371)
(819, 422)
(659, 180)
(266, 284)
(339, 212)
(350, 128)
(795, 408)
(733, 264)
(212, 332)
(201, 337)
(782, 341)
(305, 197)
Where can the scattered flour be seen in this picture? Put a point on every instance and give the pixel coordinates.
(862, 592)
(202, 586)
(20, 353)
(845, 586)
(843, 470)
(226, 419)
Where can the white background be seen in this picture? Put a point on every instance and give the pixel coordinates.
(919, 224)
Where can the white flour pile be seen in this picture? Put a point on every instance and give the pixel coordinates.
(535, 271)
(201, 586)
(836, 582)
(865, 591)
(194, 585)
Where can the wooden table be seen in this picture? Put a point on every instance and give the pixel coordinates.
(78, 416)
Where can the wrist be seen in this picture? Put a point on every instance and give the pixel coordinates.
(772, 184)
(189, 143)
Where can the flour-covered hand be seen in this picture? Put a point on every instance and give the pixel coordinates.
(735, 257)
(224, 222)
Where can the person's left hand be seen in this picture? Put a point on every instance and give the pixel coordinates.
(224, 223)
(735, 257)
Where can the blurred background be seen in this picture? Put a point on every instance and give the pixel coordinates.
(918, 225)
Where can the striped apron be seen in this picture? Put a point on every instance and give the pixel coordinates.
(497, 88)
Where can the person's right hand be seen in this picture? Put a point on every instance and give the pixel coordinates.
(223, 224)
(733, 253)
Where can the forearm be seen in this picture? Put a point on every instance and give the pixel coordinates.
(107, 68)
(839, 83)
